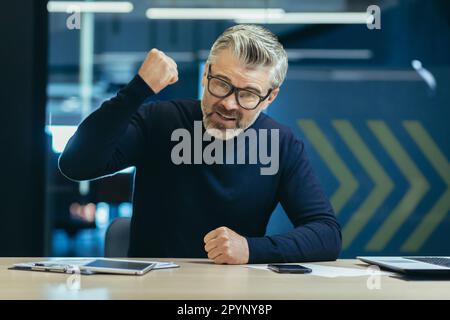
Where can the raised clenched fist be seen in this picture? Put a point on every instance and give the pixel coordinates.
(158, 70)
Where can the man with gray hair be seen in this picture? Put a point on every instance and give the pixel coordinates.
(221, 209)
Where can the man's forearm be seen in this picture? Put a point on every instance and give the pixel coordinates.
(316, 241)
(90, 150)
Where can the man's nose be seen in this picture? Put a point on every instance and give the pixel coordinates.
(230, 103)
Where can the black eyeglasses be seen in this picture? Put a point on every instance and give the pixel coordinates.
(245, 98)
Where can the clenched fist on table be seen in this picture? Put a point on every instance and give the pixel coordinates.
(225, 246)
(158, 70)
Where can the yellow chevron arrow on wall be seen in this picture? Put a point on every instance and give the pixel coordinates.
(418, 186)
(347, 182)
(440, 209)
(382, 183)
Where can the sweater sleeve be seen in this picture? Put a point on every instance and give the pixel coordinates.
(109, 139)
(316, 235)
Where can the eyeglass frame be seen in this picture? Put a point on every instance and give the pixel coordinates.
(235, 90)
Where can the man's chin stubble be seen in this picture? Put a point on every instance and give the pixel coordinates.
(224, 134)
(220, 133)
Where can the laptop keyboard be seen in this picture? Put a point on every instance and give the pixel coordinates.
(443, 262)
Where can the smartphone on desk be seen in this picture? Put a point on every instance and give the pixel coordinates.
(288, 268)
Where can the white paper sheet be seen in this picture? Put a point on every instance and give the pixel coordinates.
(332, 272)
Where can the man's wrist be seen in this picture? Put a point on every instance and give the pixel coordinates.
(255, 252)
(139, 88)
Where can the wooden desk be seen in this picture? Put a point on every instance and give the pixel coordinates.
(201, 279)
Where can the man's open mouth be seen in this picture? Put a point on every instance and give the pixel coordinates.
(228, 118)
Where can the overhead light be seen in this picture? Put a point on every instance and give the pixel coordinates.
(346, 54)
(213, 13)
(313, 18)
(91, 6)
(259, 15)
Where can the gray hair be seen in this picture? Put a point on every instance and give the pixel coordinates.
(255, 46)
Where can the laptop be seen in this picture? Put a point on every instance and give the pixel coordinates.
(425, 265)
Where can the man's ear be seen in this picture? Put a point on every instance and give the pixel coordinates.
(205, 71)
(272, 97)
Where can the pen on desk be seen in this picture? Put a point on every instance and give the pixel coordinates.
(49, 268)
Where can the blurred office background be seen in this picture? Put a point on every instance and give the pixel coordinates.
(372, 106)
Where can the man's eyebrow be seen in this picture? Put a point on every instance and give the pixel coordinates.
(251, 88)
(255, 90)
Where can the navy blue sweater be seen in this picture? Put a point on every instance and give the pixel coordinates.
(175, 206)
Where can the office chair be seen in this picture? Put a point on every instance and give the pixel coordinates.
(117, 238)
